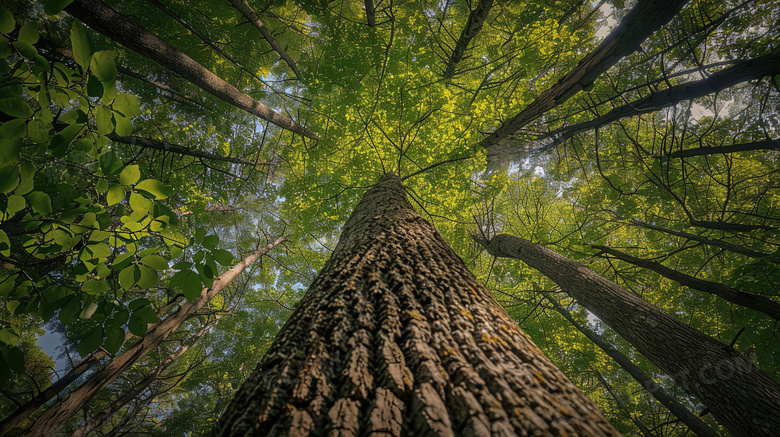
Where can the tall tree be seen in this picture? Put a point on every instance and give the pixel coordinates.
(396, 337)
(739, 394)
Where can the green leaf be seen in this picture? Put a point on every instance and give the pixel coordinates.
(91, 341)
(140, 203)
(155, 261)
(12, 129)
(29, 32)
(127, 104)
(9, 178)
(95, 286)
(39, 202)
(129, 276)
(123, 125)
(154, 187)
(14, 357)
(115, 338)
(210, 242)
(7, 22)
(118, 318)
(103, 65)
(192, 286)
(104, 120)
(148, 278)
(28, 179)
(137, 326)
(115, 194)
(26, 49)
(94, 87)
(5, 244)
(16, 107)
(223, 257)
(16, 203)
(146, 314)
(70, 311)
(130, 175)
(9, 335)
(55, 6)
(82, 49)
(138, 303)
(110, 163)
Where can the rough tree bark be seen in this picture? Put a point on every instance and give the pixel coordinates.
(253, 18)
(659, 393)
(121, 29)
(473, 26)
(740, 72)
(644, 19)
(56, 416)
(741, 397)
(395, 337)
(754, 302)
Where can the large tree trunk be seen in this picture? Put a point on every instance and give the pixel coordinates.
(644, 19)
(118, 27)
(395, 337)
(753, 301)
(473, 26)
(693, 422)
(739, 394)
(56, 416)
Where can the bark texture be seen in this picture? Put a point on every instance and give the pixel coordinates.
(56, 416)
(754, 302)
(741, 397)
(473, 26)
(121, 29)
(644, 19)
(744, 71)
(692, 421)
(395, 337)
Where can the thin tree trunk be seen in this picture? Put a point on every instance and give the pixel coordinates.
(56, 416)
(744, 147)
(754, 302)
(370, 13)
(395, 337)
(743, 71)
(644, 19)
(150, 143)
(659, 393)
(474, 24)
(118, 27)
(136, 390)
(739, 394)
(712, 242)
(253, 18)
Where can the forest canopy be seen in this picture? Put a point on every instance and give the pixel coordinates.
(153, 149)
